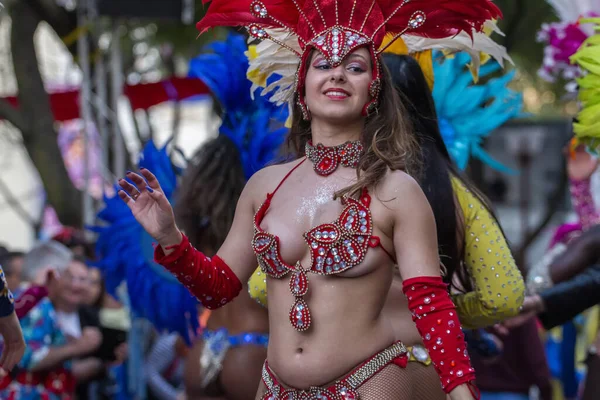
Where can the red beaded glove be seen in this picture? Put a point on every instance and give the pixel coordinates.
(437, 321)
(211, 280)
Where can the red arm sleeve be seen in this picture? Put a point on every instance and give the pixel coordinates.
(210, 280)
(436, 319)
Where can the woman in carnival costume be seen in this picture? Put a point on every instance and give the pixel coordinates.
(466, 122)
(226, 361)
(348, 125)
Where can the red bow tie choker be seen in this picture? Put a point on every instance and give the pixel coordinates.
(326, 159)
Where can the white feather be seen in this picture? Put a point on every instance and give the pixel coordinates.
(463, 42)
(571, 10)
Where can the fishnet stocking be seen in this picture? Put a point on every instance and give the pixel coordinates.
(415, 382)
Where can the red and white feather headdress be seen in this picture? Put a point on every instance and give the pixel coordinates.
(338, 27)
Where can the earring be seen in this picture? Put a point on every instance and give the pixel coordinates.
(305, 110)
(372, 107)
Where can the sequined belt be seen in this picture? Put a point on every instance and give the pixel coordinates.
(345, 388)
(216, 345)
(220, 336)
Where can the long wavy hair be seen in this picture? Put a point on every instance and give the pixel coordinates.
(438, 167)
(387, 137)
(206, 199)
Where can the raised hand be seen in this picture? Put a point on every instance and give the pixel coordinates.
(581, 164)
(150, 207)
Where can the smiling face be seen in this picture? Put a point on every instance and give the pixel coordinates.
(338, 94)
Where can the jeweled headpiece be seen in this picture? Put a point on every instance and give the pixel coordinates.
(336, 28)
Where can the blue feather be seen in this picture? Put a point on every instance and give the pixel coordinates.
(248, 123)
(126, 251)
(469, 112)
(125, 254)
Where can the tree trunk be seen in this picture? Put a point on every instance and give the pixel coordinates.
(37, 120)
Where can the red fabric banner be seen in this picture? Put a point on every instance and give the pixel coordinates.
(65, 105)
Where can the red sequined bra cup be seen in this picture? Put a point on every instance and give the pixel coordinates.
(334, 248)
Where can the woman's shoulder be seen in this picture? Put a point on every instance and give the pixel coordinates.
(397, 189)
(398, 183)
(266, 179)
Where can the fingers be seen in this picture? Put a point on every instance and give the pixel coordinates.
(130, 189)
(139, 181)
(146, 182)
(152, 181)
(501, 330)
(125, 197)
(160, 198)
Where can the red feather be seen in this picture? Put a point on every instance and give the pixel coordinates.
(237, 13)
(444, 17)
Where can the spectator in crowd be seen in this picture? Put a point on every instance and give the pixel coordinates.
(102, 311)
(55, 341)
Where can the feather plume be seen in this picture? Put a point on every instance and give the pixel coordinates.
(563, 38)
(444, 17)
(247, 120)
(125, 254)
(126, 251)
(467, 112)
(572, 10)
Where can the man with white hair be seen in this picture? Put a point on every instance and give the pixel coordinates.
(49, 368)
(44, 257)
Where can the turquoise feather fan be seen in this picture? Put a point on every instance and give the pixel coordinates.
(469, 112)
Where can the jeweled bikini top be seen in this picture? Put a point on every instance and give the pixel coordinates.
(335, 247)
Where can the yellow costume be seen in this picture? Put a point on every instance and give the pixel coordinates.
(499, 286)
(257, 287)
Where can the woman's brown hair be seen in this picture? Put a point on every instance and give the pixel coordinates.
(387, 137)
(208, 194)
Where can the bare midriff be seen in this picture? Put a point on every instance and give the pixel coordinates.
(348, 328)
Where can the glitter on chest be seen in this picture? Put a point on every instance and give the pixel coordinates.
(309, 206)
